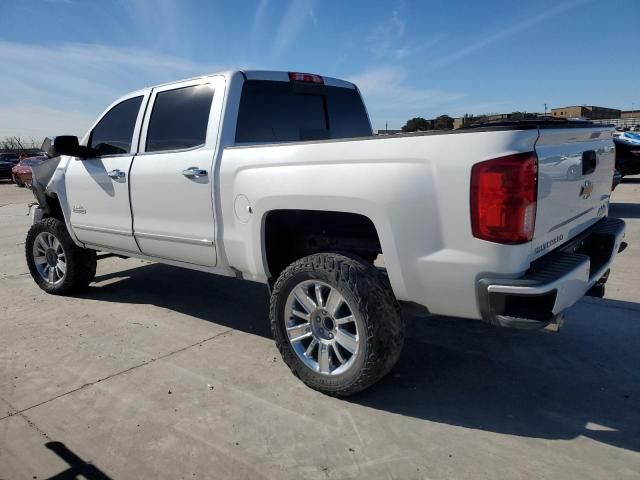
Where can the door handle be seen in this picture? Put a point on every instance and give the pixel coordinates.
(194, 172)
(116, 174)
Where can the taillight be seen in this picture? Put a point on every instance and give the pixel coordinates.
(503, 198)
(306, 78)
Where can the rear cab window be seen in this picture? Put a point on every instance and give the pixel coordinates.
(179, 119)
(275, 111)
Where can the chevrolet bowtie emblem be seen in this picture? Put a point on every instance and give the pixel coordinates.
(586, 189)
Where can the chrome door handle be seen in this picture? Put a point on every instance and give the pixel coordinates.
(194, 172)
(116, 174)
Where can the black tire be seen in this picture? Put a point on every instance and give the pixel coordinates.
(80, 262)
(369, 296)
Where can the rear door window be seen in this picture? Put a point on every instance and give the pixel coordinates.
(179, 119)
(114, 132)
(272, 111)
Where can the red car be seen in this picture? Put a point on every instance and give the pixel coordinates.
(21, 173)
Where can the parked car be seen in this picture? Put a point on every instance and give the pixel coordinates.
(21, 173)
(5, 168)
(10, 157)
(628, 153)
(276, 177)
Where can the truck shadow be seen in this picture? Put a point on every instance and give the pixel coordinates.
(78, 468)
(625, 210)
(583, 381)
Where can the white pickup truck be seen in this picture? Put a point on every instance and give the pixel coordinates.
(275, 177)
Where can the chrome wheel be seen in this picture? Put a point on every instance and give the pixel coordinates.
(49, 258)
(321, 327)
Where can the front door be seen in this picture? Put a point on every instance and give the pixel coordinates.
(172, 195)
(98, 187)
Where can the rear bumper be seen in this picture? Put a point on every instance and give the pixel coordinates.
(554, 282)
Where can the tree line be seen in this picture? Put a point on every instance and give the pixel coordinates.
(419, 124)
(19, 145)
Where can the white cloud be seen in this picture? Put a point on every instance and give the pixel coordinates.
(502, 34)
(388, 40)
(37, 121)
(77, 80)
(389, 97)
(259, 17)
(297, 14)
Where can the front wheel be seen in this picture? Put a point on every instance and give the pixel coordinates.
(56, 263)
(336, 323)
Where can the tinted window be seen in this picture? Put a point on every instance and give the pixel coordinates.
(114, 133)
(284, 112)
(179, 118)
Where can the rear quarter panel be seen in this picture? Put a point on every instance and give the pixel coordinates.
(415, 190)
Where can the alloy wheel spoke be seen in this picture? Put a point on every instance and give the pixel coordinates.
(302, 315)
(42, 245)
(338, 355)
(347, 341)
(40, 259)
(343, 320)
(334, 300)
(323, 357)
(50, 275)
(299, 332)
(318, 291)
(303, 299)
(310, 348)
(56, 244)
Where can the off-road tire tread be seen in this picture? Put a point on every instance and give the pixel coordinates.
(377, 305)
(81, 262)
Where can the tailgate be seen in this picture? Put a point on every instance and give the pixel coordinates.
(575, 172)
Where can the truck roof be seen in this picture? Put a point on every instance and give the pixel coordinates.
(273, 75)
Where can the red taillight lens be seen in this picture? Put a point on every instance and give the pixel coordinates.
(306, 77)
(503, 198)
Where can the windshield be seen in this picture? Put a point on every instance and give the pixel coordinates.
(30, 162)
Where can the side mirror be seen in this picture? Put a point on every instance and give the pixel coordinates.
(64, 145)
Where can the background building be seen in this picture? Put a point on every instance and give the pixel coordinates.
(467, 120)
(590, 112)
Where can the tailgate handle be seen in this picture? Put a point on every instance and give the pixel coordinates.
(589, 162)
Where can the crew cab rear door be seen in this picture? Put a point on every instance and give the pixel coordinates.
(575, 172)
(98, 187)
(172, 178)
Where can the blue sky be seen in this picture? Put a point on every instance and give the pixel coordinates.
(63, 61)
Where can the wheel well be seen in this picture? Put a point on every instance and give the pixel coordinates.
(53, 208)
(293, 234)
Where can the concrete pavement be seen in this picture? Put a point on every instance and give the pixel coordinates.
(157, 372)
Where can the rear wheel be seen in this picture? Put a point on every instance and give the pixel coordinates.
(56, 263)
(336, 323)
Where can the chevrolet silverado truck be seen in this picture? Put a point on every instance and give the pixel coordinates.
(275, 177)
